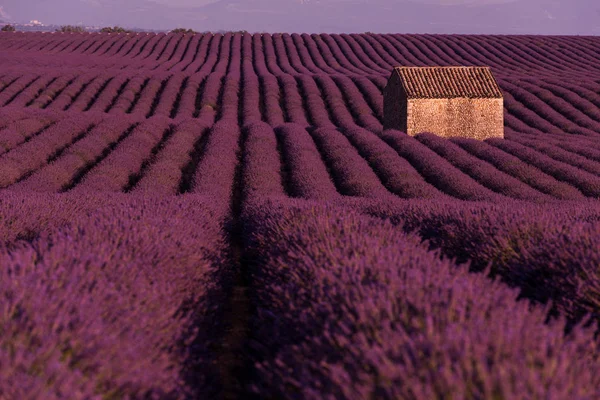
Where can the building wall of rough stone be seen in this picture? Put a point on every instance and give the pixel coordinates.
(479, 118)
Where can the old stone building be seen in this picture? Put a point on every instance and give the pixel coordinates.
(448, 101)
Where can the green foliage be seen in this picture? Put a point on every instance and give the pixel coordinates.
(183, 30)
(114, 29)
(8, 28)
(70, 28)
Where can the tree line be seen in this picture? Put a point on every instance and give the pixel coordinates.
(106, 29)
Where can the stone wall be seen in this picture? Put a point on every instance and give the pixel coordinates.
(463, 117)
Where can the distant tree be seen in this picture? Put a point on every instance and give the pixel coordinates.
(8, 28)
(183, 30)
(70, 28)
(114, 29)
(224, 31)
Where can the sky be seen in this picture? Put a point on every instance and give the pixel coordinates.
(542, 17)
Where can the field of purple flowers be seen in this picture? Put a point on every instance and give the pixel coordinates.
(223, 216)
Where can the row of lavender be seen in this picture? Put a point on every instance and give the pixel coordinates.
(128, 297)
(324, 53)
(352, 299)
(131, 289)
(349, 307)
(343, 305)
(531, 106)
(52, 152)
(546, 249)
(225, 52)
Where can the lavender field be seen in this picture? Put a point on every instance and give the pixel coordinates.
(224, 217)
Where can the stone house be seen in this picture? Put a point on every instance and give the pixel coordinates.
(448, 101)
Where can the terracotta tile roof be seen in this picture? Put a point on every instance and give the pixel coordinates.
(447, 82)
